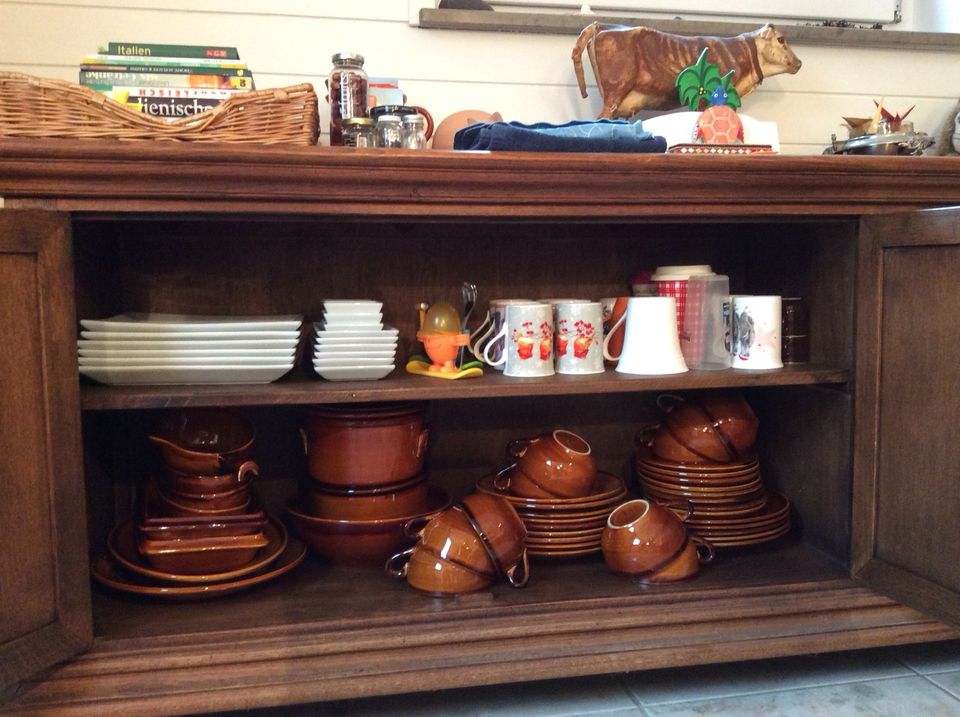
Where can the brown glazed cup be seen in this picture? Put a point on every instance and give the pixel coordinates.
(502, 532)
(366, 445)
(222, 504)
(451, 536)
(687, 564)
(559, 464)
(426, 571)
(641, 537)
(715, 427)
(204, 441)
(403, 499)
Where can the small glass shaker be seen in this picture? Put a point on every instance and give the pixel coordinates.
(389, 133)
(413, 131)
(358, 132)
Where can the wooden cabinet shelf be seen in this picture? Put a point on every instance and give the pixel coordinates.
(91, 229)
(402, 387)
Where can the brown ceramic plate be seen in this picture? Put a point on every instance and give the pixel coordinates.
(561, 552)
(738, 533)
(567, 534)
(716, 510)
(776, 509)
(107, 572)
(755, 539)
(746, 487)
(645, 455)
(662, 495)
(608, 487)
(122, 545)
(704, 479)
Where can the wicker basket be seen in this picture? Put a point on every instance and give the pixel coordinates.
(38, 107)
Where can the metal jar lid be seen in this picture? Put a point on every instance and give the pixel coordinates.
(348, 58)
(358, 122)
(388, 119)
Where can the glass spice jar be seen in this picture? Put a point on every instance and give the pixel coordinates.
(347, 92)
(389, 132)
(413, 131)
(358, 132)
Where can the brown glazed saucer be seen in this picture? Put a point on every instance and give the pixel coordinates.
(107, 572)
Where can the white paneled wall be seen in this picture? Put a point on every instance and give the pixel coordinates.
(526, 77)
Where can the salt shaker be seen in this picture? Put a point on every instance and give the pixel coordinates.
(389, 133)
(347, 88)
(413, 131)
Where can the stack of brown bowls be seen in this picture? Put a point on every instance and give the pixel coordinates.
(366, 480)
(464, 548)
(555, 488)
(701, 461)
(199, 525)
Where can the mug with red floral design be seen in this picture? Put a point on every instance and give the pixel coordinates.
(578, 337)
(528, 341)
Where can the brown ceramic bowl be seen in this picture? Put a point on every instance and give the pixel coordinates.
(233, 503)
(640, 537)
(366, 445)
(192, 484)
(717, 427)
(428, 572)
(359, 542)
(406, 498)
(500, 527)
(559, 464)
(204, 441)
(202, 556)
(451, 535)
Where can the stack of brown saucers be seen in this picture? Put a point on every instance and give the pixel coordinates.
(199, 534)
(366, 480)
(558, 493)
(701, 462)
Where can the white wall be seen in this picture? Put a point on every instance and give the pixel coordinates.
(526, 77)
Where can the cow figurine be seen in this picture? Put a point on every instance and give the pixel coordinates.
(636, 67)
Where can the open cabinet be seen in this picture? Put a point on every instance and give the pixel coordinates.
(856, 439)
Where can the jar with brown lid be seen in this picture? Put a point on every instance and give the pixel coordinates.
(347, 92)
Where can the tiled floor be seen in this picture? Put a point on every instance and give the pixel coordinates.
(910, 681)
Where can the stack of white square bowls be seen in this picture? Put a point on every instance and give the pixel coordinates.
(352, 343)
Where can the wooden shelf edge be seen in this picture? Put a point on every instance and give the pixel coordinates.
(313, 665)
(404, 387)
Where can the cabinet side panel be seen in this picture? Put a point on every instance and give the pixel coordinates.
(919, 455)
(27, 585)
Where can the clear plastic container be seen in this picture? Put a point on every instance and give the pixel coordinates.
(358, 132)
(347, 92)
(413, 131)
(389, 132)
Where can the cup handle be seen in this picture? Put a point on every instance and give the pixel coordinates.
(501, 481)
(708, 554)
(303, 437)
(413, 528)
(518, 446)
(519, 574)
(610, 333)
(423, 111)
(644, 435)
(245, 468)
(482, 331)
(396, 565)
(422, 442)
(664, 397)
(501, 334)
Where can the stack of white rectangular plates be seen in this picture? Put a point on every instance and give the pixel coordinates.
(352, 343)
(130, 349)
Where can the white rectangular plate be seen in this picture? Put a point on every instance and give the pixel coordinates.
(162, 355)
(351, 354)
(290, 336)
(137, 322)
(346, 321)
(349, 306)
(350, 341)
(355, 373)
(339, 363)
(168, 375)
(127, 362)
(189, 344)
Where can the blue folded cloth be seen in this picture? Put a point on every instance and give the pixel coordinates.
(577, 136)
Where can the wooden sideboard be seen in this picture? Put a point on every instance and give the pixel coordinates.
(861, 440)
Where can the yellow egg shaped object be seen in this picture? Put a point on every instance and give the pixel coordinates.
(441, 318)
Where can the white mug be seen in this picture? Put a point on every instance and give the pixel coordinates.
(579, 337)
(489, 327)
(527, 335)
(756, 332)
(651, 345)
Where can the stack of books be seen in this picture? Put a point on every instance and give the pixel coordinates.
(167, 81)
